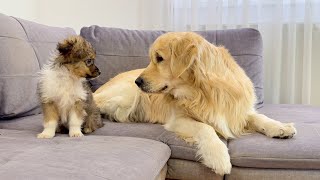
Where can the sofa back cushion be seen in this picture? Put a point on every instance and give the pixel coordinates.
(120, 50)
(24, 47)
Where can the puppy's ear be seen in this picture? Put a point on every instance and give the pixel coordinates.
(183, 53)
(66, 46)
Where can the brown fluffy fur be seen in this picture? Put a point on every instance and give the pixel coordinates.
(197, 90)
(64, 93)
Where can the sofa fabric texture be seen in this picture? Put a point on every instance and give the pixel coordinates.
(251, 151)
(272, 174)
(300, 152)
(179, 148)
(25, 157)
(190, 170)
(24, 47)
(120, 50)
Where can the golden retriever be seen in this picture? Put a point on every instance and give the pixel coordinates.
(195, 89)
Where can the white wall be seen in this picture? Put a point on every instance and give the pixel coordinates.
(76, 13)
(79, 13)
(129, 14)
(26, 9)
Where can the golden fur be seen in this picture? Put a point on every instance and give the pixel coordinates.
(197, 90)
(65, 96)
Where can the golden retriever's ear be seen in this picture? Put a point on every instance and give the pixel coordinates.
(183, 53)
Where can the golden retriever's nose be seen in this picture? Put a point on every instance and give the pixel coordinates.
(139, 81)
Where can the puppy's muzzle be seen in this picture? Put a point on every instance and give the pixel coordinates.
(96, 72)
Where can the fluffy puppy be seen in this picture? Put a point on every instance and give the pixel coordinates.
(65, 95)
(197, 90)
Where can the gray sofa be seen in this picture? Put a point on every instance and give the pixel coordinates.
(135, 151)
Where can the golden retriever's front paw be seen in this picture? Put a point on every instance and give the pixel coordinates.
(45, 135)
(75, 134)
(284, 131)
(218, 159)
(188, 140)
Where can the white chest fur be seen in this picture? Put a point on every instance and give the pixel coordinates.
(61, 87)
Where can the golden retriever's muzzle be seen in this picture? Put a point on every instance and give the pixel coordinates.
(145, 86)
(141, 83)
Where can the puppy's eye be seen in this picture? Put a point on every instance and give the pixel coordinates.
(159, 58)
(89, 62)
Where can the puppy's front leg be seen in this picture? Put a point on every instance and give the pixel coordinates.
(50, 120)
(211, 149)
(76, 117)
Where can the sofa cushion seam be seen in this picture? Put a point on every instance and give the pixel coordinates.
(29, 41)
(26, 40)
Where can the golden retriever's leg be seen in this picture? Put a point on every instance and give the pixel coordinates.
(117, 101)
(76, 117)
(271, 128)
(211, 149)
(117, 107)
(51, 118)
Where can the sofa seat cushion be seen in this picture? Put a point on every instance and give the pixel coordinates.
(190, 170)
(29, 123)
(300, 152)
(180, 149)
(23, 156)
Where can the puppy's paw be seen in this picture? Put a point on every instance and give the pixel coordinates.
(217, 158)
(75, 134)
(45, 135)
(87, 130)
(282, 131)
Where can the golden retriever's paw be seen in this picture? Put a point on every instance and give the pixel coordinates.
(188, 140)
(218, 159)
(75, 134)
(45, 136)
(284, 131)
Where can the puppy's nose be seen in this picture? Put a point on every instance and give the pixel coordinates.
(139, 81)
(97, 70)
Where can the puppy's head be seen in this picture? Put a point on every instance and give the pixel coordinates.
(78, 56)
(172, 56)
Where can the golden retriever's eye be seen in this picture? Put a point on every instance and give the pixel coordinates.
(159, 58)
(89, 62)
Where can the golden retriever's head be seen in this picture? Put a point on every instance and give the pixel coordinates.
(172, 56)
(78, 56)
